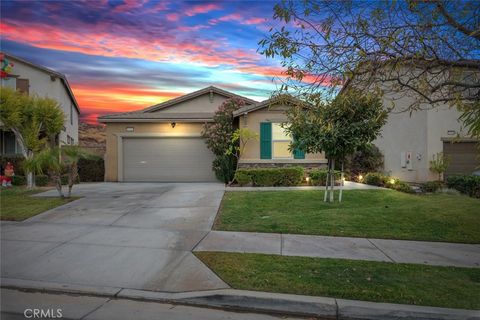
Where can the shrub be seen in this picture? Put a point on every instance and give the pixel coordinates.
(431, 186)
(291, 176)
(64, 180)
(19, 180)
(264, 177)
(319, 177)
(91, 170)
(402, 187)
(375, 179)
(243, 177)
(369, 159)
(41, 180)
(469, 185)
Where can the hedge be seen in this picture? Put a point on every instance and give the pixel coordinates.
(469, 185)
(376, 179)
(19, 180)
(41, 180)
(290, 176)
(380, 180)
(91, 170)
(431, 186)
(319, 177)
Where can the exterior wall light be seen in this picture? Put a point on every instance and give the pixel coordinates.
(173, 124)
(129, 129)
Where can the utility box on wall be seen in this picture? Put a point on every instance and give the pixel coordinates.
(406, 160)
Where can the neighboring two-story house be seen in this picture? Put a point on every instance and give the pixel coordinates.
(31, 78)
(410, 140)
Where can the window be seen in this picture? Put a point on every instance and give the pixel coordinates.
(280, 142)
(71, 113)
(72, 140)
(9, 144)
(68, 139)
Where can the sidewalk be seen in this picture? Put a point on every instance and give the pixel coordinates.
(397, 251)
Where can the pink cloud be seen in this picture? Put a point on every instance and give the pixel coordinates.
(237, 18)
(202, 8)
(255, 21)
(173, 16)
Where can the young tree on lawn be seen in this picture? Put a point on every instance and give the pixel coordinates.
(337, 128)
(54, 161)
(35, 121)
(71, 154)
(218, 137)
(48, 161)
(427, 50)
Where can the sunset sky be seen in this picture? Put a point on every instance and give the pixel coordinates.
(124, 55)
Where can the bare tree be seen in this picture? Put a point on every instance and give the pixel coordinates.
(428, 49)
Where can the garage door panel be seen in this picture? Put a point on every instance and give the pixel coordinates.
(167, 160)
(463, 158)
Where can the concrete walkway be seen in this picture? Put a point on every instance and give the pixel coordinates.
(399, 251)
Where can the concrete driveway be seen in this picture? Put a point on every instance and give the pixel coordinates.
(119, 235)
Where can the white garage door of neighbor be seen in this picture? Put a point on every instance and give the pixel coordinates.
(167, 160)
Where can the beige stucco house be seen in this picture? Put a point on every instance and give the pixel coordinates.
(164, 143)
(31, 79)
(410, 140)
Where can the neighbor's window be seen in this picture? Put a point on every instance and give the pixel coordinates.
(280, 142)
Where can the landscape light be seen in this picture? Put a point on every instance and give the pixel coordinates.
(360, 177)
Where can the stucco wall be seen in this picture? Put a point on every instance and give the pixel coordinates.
(113, 130)
(202, 103)
(252, 120)
(420, 133)
(42, 85)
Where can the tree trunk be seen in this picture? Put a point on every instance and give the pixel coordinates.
(332, 180)
(72, 176)
(326, 181)
(341, 186)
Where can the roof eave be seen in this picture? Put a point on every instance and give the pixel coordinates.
(200, 120)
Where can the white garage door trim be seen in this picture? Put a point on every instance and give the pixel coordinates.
(121, 136)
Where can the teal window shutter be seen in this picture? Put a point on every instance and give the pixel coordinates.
(298, 154)
(265, 140)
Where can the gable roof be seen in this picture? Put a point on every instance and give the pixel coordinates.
(149, 114)
(198, 93)
(267, 103)
(52, 73)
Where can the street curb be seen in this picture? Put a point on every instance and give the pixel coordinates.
(259, 302)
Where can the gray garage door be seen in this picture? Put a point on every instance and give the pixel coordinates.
(463, 156)
(167, 160)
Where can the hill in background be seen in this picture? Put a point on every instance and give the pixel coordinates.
(92, 137)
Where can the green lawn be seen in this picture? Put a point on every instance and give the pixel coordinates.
(363, 213)
(349, 279)
(16, 203)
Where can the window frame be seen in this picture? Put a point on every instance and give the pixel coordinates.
(280, 140)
